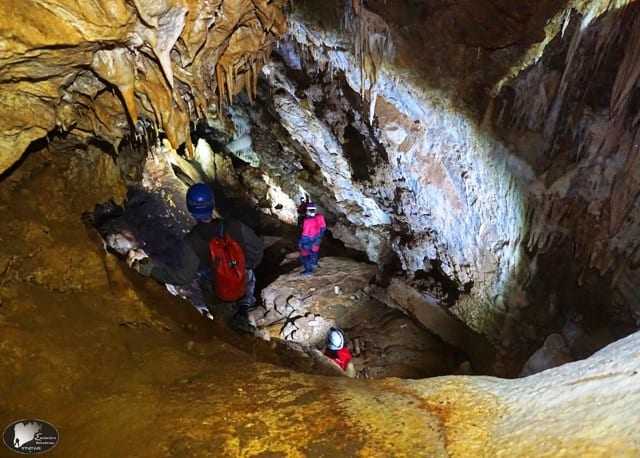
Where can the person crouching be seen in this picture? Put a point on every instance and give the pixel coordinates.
(338, 353)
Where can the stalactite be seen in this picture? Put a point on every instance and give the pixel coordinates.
(629, 73)
(372, 44)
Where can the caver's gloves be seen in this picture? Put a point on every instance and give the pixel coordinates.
(139, 261)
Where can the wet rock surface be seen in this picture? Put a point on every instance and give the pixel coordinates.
(384, 342)
(483, 153)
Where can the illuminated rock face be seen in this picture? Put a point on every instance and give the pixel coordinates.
(95, 67)
(503, 162)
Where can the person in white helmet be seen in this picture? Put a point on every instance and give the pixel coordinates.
(313, 229)
(338, 352)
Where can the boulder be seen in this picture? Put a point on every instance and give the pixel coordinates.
(430, 313)
(385, 342)
(553, 353)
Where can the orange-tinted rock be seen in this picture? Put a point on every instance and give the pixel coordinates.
(123, 369)
(161, 57)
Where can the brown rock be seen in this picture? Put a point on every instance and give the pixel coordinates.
(385, 342)
(49, 50)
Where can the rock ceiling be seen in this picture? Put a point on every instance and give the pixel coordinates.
(72, 64)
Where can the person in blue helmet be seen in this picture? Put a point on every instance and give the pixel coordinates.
(196, 262)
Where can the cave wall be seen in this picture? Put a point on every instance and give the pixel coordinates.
(487, 144)
(573, 118)
(98, 68)
(103, 353)
(501, 162)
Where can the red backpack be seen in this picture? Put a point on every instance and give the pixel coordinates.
(228, 266)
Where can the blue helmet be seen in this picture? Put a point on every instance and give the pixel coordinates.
(200, 201)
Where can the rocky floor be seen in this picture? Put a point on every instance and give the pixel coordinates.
(297, 311)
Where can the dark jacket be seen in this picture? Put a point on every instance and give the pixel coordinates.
(195, 255)
(302, 211)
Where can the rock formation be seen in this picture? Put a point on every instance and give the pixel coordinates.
(471, 154)
(433, 137)
(384, 342)
(482, 155)
(125, 370)
(553, 353)
(99, 68)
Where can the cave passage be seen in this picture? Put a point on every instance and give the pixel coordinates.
(384, 341)
(478, 167)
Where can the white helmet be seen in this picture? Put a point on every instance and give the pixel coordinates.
(335, 339)
(311, 209)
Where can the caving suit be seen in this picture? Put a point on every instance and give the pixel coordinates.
(313, 229)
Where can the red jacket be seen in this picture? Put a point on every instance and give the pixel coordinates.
(341, 357)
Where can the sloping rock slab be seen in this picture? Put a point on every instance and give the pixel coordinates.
(431, 314)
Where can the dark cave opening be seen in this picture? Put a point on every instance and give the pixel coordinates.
(359, 157)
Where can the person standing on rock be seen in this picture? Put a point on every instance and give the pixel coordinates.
(313, 229)
(196, 259)
(338, 352)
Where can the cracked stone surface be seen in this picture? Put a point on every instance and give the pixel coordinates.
(384, 341)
